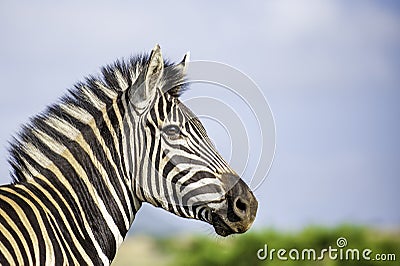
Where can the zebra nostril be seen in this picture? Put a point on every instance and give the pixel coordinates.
(240, 207)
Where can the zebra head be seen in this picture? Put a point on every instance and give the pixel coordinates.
(180, 169)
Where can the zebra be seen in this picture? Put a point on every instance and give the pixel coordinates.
(82, 168)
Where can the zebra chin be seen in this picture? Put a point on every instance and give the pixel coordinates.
(237, 213)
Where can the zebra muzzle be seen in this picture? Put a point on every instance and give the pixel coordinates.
(238, 212)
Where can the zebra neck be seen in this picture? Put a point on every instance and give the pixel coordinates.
(74, 167)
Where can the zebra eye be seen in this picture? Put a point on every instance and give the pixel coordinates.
(172, 130)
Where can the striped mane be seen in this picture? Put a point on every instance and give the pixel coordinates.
(107, 88)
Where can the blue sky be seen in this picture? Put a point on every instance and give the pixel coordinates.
(329, 69)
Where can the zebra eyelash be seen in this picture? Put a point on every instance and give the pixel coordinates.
(172, 130)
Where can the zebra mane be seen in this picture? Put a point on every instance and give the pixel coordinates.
(113, 81)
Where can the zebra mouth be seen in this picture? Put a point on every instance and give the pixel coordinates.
(220, 227)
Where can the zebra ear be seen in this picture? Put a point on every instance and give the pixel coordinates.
(146, 83)
(183, 65)
(155, 67)
(180, 78)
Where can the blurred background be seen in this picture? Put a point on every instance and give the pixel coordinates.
(329, 70)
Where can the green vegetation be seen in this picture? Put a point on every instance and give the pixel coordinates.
(242, 250)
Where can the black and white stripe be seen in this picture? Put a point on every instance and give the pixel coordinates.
(83, 167)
